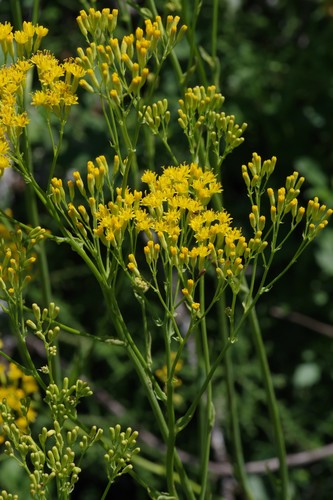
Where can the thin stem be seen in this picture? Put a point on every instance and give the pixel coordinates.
(33, 216)
(16, 13)
(186, 419)
(171, 442)
(214, 27)
(103, 497)
(167, 146)
(139, 365)
(229, 333)
(35, 12)
(23, 350)
(156, 469)
(173, 56)
(207, 406)
(56, 151)
(177, 68)
(232, 403)
(272, 404)
(215, 24)
(193, 44)
(292, 261)
(146, 333)
(142, 372)
(152, 7)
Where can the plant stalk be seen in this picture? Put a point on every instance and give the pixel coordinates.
(272, 405)
(239, 467)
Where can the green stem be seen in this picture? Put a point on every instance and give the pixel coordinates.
(152, 7)
(207, 406)
(272, 405)
(33, 216)
(16, 13)
(239, 467)
(171, 441)
(138, 362)
(186, 419)
(22, 348)
(156, 469)
(103, 497)
(167, 146)
(56, 151)
(215, 24)
(229, 376)
(177, 68)
(141, 370)
(195, 53)
(173, 56)
(35, 12)
(214, 27)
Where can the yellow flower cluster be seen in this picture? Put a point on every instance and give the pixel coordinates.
(197, 102)
(6, 38)
(256, 172)
(12, 119)
(156, 115)
(98, 24)
(200, 113)
(59, 83)
(113, 219)
(282, 202)
(15, 386)
(174, 204)
(178, 196)
(118, 67)
(162, 373)
(173, 212)
(191, 234)
(17, 255)
(27, 40)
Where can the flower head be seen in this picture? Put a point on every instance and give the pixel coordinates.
(15, 386)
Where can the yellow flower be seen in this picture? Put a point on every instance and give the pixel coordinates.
(50, 71)
(143, 221)
(15, 386)
(45, 61)
(185, 203)
(202, 235)
(41, 31)
(56, 99)
(162, 373)
(149, 177)
(21, 37)
(14, 373)
(4, 147)
(154, 200)
(28, 28)
(74, 72)
(12, 79)
(112, 225)
(5, 30)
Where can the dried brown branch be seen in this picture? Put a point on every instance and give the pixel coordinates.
(221, 469)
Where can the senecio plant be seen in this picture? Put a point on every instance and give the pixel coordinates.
(164, 230)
